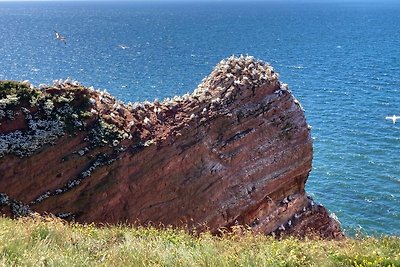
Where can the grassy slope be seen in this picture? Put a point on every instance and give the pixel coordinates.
(34, 242)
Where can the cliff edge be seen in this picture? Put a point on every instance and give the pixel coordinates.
(237, 151)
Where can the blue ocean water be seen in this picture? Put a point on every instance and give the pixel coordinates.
(340, 59)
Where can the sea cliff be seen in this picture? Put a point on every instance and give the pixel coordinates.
(236, 151)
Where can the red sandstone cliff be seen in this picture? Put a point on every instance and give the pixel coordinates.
(236, 151)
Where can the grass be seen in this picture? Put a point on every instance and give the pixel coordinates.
(52, 242)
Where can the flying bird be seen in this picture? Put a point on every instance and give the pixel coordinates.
(394, 118)
(123, 46)
(59, 37)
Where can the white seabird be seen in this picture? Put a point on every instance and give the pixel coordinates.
(123, 46)
(59, 37)
(394, 118)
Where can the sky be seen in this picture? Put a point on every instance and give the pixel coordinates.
(155, 1)
(191, 0)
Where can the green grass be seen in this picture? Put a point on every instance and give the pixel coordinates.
(51, 242)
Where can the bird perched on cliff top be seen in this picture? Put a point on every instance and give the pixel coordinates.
(59, 37)
(394, 118)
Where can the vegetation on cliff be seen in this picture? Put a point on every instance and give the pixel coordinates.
(52, 242)
(31, 118)
(43, 116)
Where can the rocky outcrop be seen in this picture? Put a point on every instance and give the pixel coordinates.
(237, 151)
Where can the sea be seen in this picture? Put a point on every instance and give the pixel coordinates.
(341, 60)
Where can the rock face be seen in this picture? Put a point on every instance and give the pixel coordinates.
(237, 151)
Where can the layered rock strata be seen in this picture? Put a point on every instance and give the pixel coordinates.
(237, 151)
